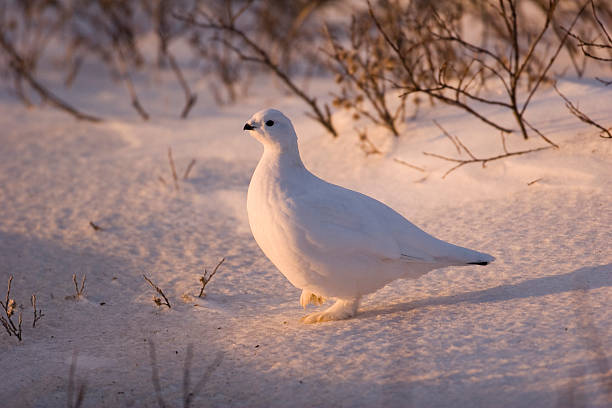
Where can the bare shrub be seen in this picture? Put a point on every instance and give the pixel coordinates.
(517, 62)
(361, 71)
(223, 23)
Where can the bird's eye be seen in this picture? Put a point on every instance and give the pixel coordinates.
(269, 123)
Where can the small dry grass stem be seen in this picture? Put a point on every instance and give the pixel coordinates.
(605, 133)
(8, 306)
(173, 169)
(188, 169)
(38, 314)
(405, 163)
(473, 159)
(204, 279)
(95, 226)
(534, 181)
(156, 299)
(188, 393)
(79, 291)
(74, 401)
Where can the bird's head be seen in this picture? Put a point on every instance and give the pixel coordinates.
(272, 128)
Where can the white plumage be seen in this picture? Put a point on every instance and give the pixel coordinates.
(329, 241)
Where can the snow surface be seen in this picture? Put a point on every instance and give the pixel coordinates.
(534, 329)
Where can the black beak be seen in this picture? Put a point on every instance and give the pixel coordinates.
(248, 127)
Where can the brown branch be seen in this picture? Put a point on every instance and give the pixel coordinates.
(38, 314)
(405, 163)
(95, 226)
(262, 58)
(204, 279)
(605, 133)
(157, 300)
(474, 159)
(190, 97)
(8, 306)
(19, 67)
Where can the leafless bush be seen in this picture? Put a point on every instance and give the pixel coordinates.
(204, 279)
(517, 62)
(599, 48)
(226, 30)
(361, 72)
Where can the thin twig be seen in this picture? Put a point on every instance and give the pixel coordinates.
(95, 226)
(174, 177)
(448, 135)
(605, 133)
(38, 314)
(204, 279)
(534, 181)
(78, 290)
(188, 169)
(190, 97)
(474, 159)
(405, 163)
(9, 305)
(19, 66)
(157, 300)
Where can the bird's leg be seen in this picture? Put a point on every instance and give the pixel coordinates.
(342, 309)
(309, 297)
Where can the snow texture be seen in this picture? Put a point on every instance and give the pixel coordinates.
(532, 329)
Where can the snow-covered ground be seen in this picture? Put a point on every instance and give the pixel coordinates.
(534, 329)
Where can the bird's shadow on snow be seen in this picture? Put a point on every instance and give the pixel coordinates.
(586, 278)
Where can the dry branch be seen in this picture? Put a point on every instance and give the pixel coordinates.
(474, 159)
(21, 70)
(204, 279)
(605, 133)
(157, 300)
(258, 55)
(405, 163)
(8, 306)
(38, 314)
(79, 291)
(95, 226)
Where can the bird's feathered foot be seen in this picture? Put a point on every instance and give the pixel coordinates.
(309, 297)
(342, 309)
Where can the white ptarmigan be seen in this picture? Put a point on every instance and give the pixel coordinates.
(329, 241)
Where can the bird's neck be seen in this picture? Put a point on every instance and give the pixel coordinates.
(286, 158)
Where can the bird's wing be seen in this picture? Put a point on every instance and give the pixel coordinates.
(338, 220)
